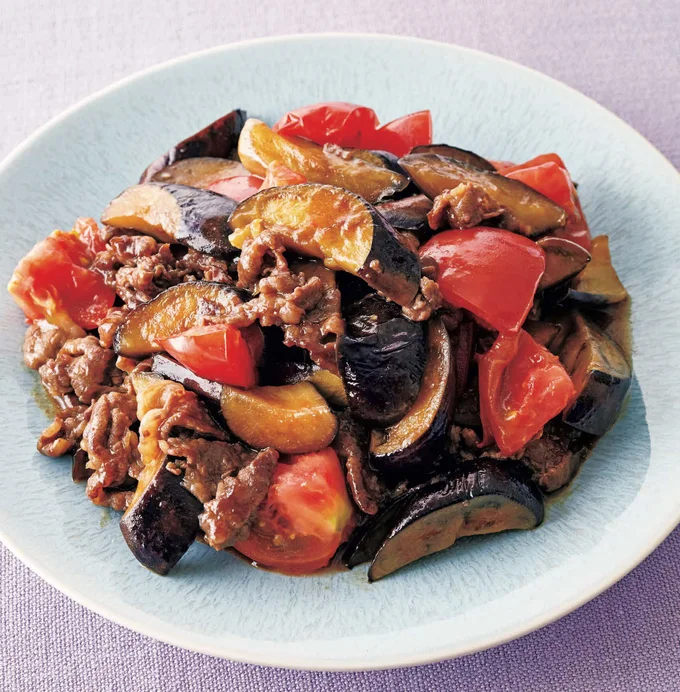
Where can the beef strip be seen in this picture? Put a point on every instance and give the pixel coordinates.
(107, 329)
(206, 463)
(139, 267)
(465, 206)
(556, 456)
(227, 519)
(42, 342)
(64, 433)
(427, 301)
(111, 446)
(83, 367)
(351, 444)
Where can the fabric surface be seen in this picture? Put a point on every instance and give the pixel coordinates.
(55, 53)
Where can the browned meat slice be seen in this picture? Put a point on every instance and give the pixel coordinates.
(107, 328)
(82, 366)
(463, 207)
(227, 519)
(139, 267)
(64, 433)
(350, 445)
(111, 446)
(557, 455)
(42, 342)
(427, 301)
(206, 463)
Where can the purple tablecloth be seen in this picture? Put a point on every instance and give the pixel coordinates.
(624, 55)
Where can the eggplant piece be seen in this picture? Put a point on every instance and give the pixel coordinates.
(170, 369)
(480, 497)
(336, 226)
(199, 172)
(525, 211)
(258, 146)
(564, 259)
(219, 139)
(172, 312)
(175, 214)
(161, 522)
(293, 419)
(601, 375)
(381, 359)
(463, 345)
(598, 285)
(330, 386)
(408, 214)
(367, 538)
(460, 155)
(413, 447)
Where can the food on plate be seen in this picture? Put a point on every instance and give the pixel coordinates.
(329, 340)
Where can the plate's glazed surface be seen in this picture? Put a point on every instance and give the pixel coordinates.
(481, 592)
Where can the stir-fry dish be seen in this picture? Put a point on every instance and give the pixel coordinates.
(327, 341)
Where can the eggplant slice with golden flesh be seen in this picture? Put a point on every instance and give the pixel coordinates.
(564, 259)
(336, 226)
(479, 497)
(293, 419)
(172, 312)
(175, 214)
(413, 447)
(598, 285)
(381, 359)
(525, 211)
(363, 173)
(219, 140)
(161, 522)
(199, 172)
(601, 375)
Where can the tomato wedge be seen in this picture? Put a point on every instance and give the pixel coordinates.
(217, 352)
(239, 187)
(521, 387)
(352, 126)
(548, 175)
(401, 135)
(306, 516)
(329, 123)
(490, 272)
(54, 280)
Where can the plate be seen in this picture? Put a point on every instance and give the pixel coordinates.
(482, 592)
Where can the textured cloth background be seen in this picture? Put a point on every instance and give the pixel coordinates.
(54, 52)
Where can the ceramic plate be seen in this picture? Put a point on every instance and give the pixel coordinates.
(483, 591)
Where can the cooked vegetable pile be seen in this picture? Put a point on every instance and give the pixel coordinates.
(328, 332)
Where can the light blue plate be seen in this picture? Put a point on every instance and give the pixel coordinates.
(481, 592)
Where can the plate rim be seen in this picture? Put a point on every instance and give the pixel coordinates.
(358, 662)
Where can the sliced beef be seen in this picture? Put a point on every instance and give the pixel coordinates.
(107, 328)
(111, 445)
(227, 519)
(557, 455)
(351, 445)
(427, 301)
(64, 433)
(82, 367)
(206, 463)
(42, 342)
(465, 206)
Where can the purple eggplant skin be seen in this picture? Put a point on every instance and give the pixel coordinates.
(381, 366)
(413, 447)
(218, 140)
(172, 370)
(407, 214)
(602, 376)
(161, 522)
(79, 471)
(461, 155)
(477, 497)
